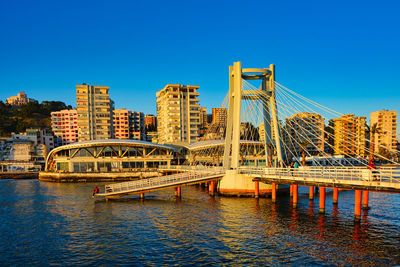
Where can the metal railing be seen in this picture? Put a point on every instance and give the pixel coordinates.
(192, 168)
(198, 173)
(160, 181)
(390, 175)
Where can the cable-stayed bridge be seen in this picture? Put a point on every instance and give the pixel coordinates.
(274, 135)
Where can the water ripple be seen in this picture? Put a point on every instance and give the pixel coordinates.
(60, 224)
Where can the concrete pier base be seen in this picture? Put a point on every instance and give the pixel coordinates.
(240, 185)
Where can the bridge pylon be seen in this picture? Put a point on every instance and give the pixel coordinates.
(268, 102)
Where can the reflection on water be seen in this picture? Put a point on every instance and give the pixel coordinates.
(46, 223)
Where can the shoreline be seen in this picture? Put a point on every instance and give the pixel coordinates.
(83, 177)
(19, 175)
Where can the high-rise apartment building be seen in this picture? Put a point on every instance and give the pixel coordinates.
(178, 114)
(386, 122)
(129, 124)
(304, 128)
(64, 125)
(219, 116)
(349, 135)
(203, 117)
(203, 121)
(94, 108)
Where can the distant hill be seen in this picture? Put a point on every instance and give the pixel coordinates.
(19, 118)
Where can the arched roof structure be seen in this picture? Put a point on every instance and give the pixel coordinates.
(110, 144)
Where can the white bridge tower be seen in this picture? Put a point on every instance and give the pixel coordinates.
(270, 116)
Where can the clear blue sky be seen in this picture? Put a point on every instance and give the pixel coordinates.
(342, 54)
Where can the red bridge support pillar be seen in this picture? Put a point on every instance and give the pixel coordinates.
(335, 195)
(365, 200)
(311, 196)
(211, 188)
(291, 190)
(178, 191)
(357, 206)
(142, 196)
(273, 193)
(322, 200)
(295, 195)
(256, 189)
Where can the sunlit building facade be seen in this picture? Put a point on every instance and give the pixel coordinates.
(150, 122)
(349, 135)
(129, 124)
(386, 122)
(94, 108)
(20, 99)
(219, 115)
(64, 124)
(304, 128)
(178, 114)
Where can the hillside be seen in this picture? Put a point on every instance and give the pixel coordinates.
(19, 118)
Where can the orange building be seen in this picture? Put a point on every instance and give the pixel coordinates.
(150, 121)
(129, 124)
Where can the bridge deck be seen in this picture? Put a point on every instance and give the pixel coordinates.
(383, 180)
(158, 183)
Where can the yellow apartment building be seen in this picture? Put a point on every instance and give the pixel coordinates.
(178, 114)
(387, 124)
(94, 108)
(349, 135)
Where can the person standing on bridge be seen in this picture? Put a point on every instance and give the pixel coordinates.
(372, 167)
(291, 168)
(95, 191)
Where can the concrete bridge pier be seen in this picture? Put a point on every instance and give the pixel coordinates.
(357, 205)
(335, 195)
(322, 200)
(237, 184)
(365, 198)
